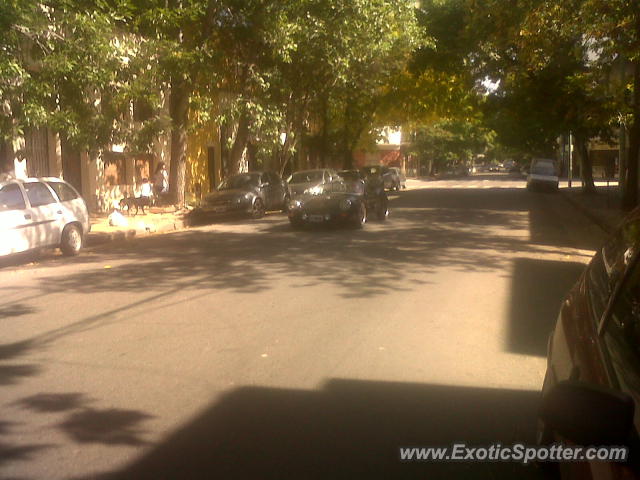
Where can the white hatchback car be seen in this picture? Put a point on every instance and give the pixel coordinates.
(41, 212)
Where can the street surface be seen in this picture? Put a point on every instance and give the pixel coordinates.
(249, 350)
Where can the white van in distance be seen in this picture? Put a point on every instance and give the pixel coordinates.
(543, 174)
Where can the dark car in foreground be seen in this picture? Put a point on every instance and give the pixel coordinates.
(312, 181)
(250, 194)
(347, 203)
(592, 384)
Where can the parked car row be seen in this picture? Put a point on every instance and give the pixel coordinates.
(310, 196)
(49, 212)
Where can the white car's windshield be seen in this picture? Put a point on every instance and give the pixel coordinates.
(544, 169)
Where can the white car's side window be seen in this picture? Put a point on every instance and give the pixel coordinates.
(64, 192)
(38, 194)
(11, 198)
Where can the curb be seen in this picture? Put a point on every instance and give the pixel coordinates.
(102, 238)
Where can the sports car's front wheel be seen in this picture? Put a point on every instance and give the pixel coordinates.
(257, 211)
(361, 216)
(382, 210)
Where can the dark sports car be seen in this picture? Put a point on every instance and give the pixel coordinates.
(245, 194)
(341, 205)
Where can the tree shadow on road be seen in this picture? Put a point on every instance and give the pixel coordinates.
(81, 423)
(468, 232)
(12, 453)
(15, 310)
(464, 230)
(53, 402)
(10, 374)
(347, 427)
(112, 426)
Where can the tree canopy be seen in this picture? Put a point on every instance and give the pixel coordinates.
(292, 79)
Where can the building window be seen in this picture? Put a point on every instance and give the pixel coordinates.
(114, 169)
(143, 168)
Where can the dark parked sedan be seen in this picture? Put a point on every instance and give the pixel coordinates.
(249, 194)
(354, 180)
(389, 176)
(592, 385)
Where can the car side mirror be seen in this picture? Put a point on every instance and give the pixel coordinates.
(588, 414)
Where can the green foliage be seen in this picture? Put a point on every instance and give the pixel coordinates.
(72, 67)
(320, 74)
(450, 142)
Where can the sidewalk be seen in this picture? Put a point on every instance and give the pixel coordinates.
(156, 220)
(603, 208)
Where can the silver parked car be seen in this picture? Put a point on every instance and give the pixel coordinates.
(250, 194)
(41, 212)
(401, 179)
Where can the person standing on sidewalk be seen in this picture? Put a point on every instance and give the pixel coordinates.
(160, 181)
(146, 192)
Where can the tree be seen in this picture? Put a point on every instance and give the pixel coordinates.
(613, 27)
(542, 59)
(73, 68)
(449, 143)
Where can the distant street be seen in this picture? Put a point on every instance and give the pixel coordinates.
(249, 350)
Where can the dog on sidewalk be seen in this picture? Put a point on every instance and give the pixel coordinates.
(139, 203)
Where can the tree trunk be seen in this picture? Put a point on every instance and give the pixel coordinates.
(224, 149)
(179, 112)
(71, 166)
(286, 156)
(252, 158)
(586, 167)
(630, 192)
(347, 157)
(623, 158)
(242, 135)
(324, 143)
(6, 157)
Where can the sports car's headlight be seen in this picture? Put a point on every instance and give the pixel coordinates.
(317, 190)
(345, 204)
(293, 204)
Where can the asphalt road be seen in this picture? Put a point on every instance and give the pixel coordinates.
(248, 350)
